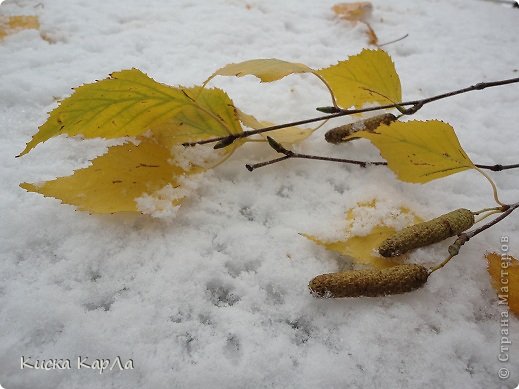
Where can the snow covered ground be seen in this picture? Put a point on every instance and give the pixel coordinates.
(217, 297)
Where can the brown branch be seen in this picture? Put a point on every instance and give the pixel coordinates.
(464, 237)
(393, 41)
(498, 167)
(414, 104)
(290, 154)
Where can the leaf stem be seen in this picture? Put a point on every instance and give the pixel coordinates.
(394, 40)
(488, 209)
(440, 265)
(334, 102)
(489, 213)
(493, 184)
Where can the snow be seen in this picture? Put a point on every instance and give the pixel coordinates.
(216, 296)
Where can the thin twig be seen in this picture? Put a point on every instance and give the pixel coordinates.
(415, 106)
(290, 154)
(498, 168)
(509, 2)
(393, 41)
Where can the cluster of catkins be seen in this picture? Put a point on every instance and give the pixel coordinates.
(400, 278)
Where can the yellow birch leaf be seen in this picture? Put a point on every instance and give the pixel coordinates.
(286, 136)
(504, 276)
(362, 249)
(355, 80)
(266, 69)
(12, 24)
(419, 151)
(128, 103)
(116, 179)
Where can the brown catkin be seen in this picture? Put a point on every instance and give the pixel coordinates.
(371, 283)
(338, 134)
(426, 233)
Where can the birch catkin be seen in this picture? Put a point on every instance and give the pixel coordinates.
(371, 283)
(426, 233)
(338, 134)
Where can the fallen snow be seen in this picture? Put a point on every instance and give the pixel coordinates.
(216, 296)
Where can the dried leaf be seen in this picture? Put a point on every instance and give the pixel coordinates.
(12, 24)
(354, 12)
(115, 180)
(504, 276)
(369, 77)
(419, 151)
(372, 36)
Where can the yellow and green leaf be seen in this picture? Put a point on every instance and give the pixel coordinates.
(418, 151)
(211, 113)
(128, 103)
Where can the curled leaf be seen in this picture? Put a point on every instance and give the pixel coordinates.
(266, 69)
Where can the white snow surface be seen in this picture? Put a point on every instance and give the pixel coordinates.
(216, 295)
